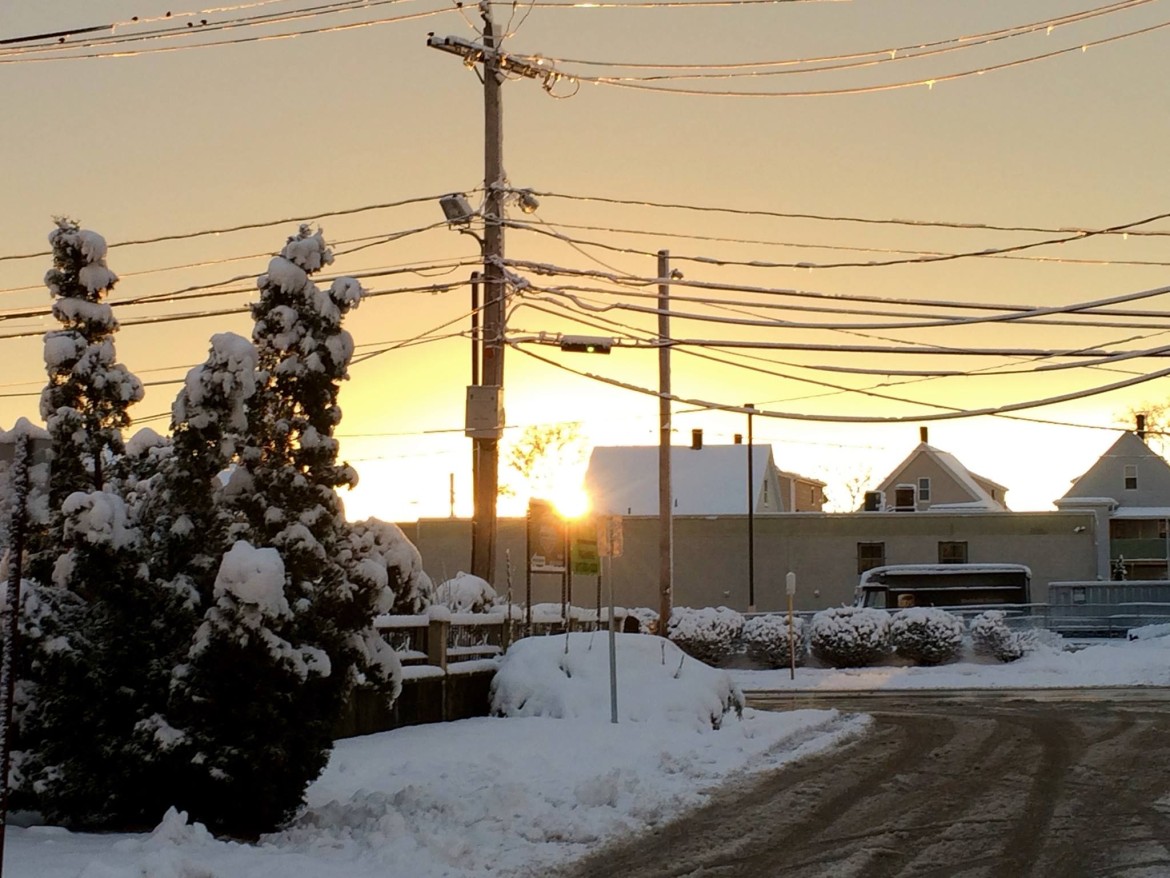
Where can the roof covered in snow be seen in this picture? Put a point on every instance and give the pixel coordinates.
(623, 480)
(929, 461)
(1129, 455)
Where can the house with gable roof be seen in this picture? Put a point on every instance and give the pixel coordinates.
(705, 480)
(1128, 489)
(933, 479)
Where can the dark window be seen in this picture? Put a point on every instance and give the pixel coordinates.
(1131, 477)
(1137, 529)
(870, 555)
(952, 553)
(924, 490)
(904, 498)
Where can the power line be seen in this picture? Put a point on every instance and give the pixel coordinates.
(738, 211)
(203, 25)
(952, 414)
(242, 227)
(928, 82)
(891, 53)
(128, 53)
(884, 263)
(813, 245)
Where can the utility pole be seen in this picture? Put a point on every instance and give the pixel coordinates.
(488, 475)
(665, 491)
(751, 499)
(486, 439)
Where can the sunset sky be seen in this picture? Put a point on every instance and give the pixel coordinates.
(1015, 125)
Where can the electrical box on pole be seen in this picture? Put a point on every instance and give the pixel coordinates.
(485, 412)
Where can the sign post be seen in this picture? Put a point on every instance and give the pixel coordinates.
(790, 587)
(609, 545)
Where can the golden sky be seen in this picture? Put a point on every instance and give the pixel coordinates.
(172, 136)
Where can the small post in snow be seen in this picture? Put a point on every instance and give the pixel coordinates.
(790, 587)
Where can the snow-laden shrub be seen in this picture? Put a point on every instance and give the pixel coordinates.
(850, 637)
(991, 636)
(926, 635)
(465, 593)
(710, 634)
(767, 640)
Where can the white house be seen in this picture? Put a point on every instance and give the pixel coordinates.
(705, 480)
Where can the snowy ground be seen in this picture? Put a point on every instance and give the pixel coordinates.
(509, 796)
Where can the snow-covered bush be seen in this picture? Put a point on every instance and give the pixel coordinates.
(568, 678)
(991, 636)
(926, 635)
(465, 593)
(710, 634)
(850, 637)
(769, 643)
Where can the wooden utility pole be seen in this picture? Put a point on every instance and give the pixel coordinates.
(751, 500)
(665, 491)
(486, 454)
(488, 475)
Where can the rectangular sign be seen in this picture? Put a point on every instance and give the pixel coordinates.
(546, 538)
(585, 558)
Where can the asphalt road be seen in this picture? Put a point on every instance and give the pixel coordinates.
(1022, 784)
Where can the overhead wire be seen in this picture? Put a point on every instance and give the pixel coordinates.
(262, 38)
(928, 82)
(950, 414)
(312, 217)
(1079, 235)
(1047, 24)
(834, 218)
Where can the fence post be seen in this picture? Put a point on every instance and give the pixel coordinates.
(437, 635)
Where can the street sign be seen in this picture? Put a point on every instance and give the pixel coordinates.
(585, 558)
(546, 538)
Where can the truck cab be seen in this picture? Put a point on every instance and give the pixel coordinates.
(944, 585)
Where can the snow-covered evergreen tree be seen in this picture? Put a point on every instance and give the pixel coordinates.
(926, 635)
(86, 403)
(108, 675)
(258, 739)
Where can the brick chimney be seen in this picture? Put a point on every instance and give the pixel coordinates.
(697, 439)
(923, 434)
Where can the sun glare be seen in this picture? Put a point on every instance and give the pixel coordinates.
(571, 502)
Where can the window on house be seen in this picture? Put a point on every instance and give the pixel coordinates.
(870, 555)
(764, 494)
(952, 553)
(812, 495)
(904, 498)
(1131, 477)
(924, 490)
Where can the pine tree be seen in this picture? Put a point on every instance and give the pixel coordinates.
(258, 739)
(86, 403)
